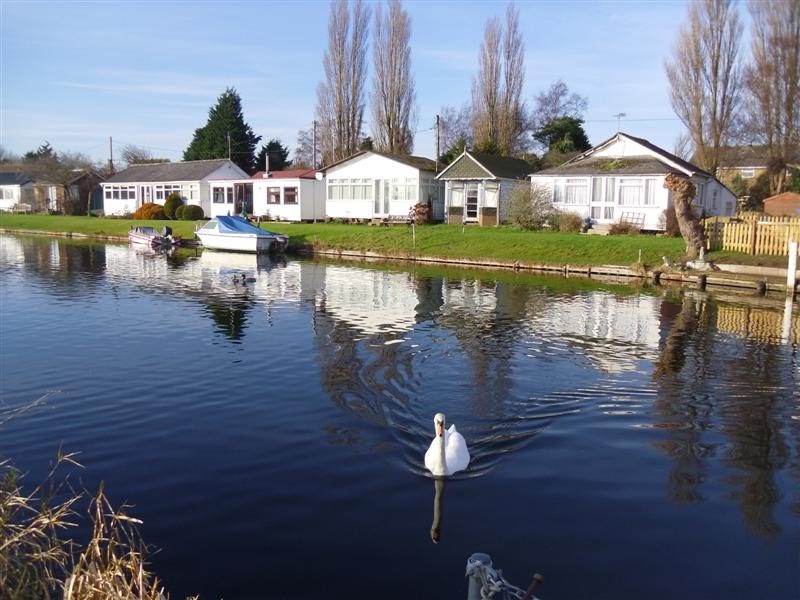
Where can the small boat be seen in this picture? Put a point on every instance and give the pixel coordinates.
(150, 236)
(238, 235)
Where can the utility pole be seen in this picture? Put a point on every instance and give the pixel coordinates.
(229, 145)
(110, 156)
(618, 117)
(437, 143)
(314, 144)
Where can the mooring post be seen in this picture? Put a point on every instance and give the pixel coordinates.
(791, 269)
(474, 590)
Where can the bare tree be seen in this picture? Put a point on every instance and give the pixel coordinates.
(511, 114)
(136, 155)
(683, 194)
(7, 157)
(303, 155)
(772, 83)
(340, 95)
(556, 102)
(486, 88)
(454, 124)
(705, 77)
(393, 95)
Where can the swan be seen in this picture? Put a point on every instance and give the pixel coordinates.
(448, 452)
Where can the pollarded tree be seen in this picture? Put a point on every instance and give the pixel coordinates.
(225, 134)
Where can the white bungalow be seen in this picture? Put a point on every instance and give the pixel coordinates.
(291, 195)
(209, 184)
(478, 187)
(622, 179)
(373, 185)
(15, 188)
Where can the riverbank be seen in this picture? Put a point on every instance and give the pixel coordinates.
(568, 254)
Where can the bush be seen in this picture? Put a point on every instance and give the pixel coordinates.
(566, 221)
(623, 228)
(150, 212)
(420, 213)
(530, 207)
(179, 212)
(171, 205)
(192, 212)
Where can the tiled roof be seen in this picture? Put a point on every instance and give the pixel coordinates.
(192, 170)
(476, 165)
(418, 162)
(14, 178)
(603, 165)
(287, 174)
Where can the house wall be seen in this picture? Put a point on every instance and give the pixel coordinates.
(13, 194)
(310, 199)
(376, 186)
(784, 205)
(498, 200)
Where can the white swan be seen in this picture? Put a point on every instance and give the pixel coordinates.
(448, 453)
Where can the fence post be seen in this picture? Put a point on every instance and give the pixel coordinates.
(474, 590)
(791, 269)
(752, 241)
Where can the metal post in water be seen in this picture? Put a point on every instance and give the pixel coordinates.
(791, 269)
(474, 590)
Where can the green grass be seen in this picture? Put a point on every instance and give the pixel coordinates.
(444, 241)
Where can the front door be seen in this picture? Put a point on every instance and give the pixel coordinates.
(381, 198)
(144, 195)
(471, 202)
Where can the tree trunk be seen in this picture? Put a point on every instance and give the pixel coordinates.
(683, 192)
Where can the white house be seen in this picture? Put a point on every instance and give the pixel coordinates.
(15, 188)
(622, 179)
(209, 184)
(291, 195)
(478, 187)
(373, 185)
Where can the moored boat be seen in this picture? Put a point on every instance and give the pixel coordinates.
(238, 235)
(150, 236)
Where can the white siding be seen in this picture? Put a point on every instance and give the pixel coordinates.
(310, 199)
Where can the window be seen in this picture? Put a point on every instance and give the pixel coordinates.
(229, 195)
(120, 192)
(576, 191)
(630, 192)
(558, 191)
(457, 194)
(274, 195)
(747, 172)
(595, 213)
(290, 195)
(649, 192)
(714, 200)
(608, 213)
(339, 189)
(218, 195)
(490, 195)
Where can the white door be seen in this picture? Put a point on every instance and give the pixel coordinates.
(381, 208)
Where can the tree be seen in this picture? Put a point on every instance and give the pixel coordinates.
(136, 155)
(705, 78)
(530, 207)
(61, 170)
(340, 104)
(486, 87)
(511, 121)
(556, 102)
(367, 144)
(45, 151)
(453, 151)
(278, 156)
(772, 83)
(225, 134)
(683, 193)
(304, 151)
(393, 96)
(563, 135)
(7, 157)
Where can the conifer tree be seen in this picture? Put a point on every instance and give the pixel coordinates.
(225, 135)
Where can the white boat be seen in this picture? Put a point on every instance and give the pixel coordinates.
(238, 235)
(151, 237)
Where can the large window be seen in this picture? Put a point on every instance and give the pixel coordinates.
(274, 195)
(350, 189)
(404, 190)
(290, 195)
(222, 195)
(576, 191)
(120, 192)
(6, 193)
(747, 172)
(630, 192)
(162, 191)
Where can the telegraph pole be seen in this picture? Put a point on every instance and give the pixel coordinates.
(314, 144)
(619, 116)
(437, 143)
(229, 145)
(110, 156)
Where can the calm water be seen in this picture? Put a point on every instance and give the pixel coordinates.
(626, 443)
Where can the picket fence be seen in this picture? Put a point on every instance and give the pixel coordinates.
(752, 233)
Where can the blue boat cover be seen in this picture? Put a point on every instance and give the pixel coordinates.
(239, 225)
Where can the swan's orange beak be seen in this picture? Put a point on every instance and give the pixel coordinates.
(439, 429)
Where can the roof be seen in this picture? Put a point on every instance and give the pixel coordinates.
(287, 174)
(603, 165)
(418, 162)
(190, 170)
(489, 166)
(751, 155)
(784, 197)
(14, 178)
(586, 162)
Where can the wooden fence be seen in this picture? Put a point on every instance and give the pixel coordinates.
(752, 233)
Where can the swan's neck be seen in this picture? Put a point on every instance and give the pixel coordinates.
(441, 463)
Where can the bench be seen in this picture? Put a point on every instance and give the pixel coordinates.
(21, 207)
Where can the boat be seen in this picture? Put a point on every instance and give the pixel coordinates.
(151, 237)
(238, 235)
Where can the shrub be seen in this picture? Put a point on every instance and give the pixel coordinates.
(150, 212)
(179, 212)
(623, 228)
(192, 212)
(569, 222)
(530, 207)
(419, 213)
(171, 205)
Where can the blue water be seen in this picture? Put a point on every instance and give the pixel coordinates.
(626, 442)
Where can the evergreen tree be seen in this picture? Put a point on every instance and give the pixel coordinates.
(225, 134)
(278, 156)
(563, 135)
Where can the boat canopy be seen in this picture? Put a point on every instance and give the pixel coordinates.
(238, 225)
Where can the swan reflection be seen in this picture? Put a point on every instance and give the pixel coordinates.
(436, 526)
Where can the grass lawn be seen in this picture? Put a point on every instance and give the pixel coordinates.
(446, 241)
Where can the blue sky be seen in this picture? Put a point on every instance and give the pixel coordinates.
(146, 73)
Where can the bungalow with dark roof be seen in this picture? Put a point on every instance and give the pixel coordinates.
(374, 185)
(290, 195)
(622, 179)
(16, 188)
(478, 187)
(218, 186)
